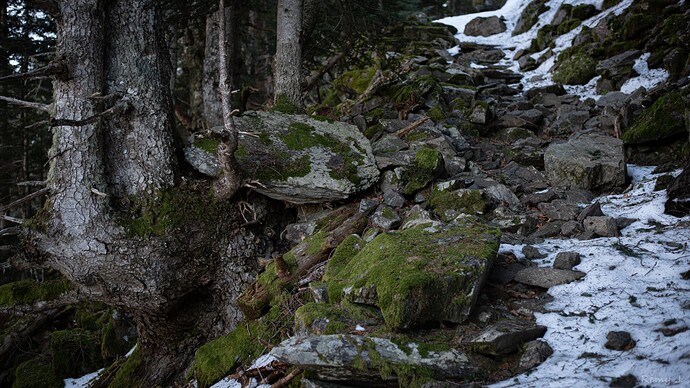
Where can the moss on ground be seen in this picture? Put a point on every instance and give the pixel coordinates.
(355, 81)
(464, 201)
(128, 375)
(427, 163)
(208, 145)
(402, 265)
(30, 291)
(33, 374)
(75, 352)
(284, 105)
(663, 119)
(217, 358)
(578, 69)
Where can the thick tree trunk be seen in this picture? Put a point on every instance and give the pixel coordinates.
(288, 60)
(180, 283)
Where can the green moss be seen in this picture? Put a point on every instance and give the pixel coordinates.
(91, 316)
(284, 105)
(356, 80)
(33, 374)
(467, 202)
(567, 26)
(373, 131)
(583, 11)
(75, 352)
(301, 136)
(413, 376)
(128, 376)
(436, 114)
(665, 118)
(217, 358)
(576, 70)
(400, 265)
(427, 163)
(208, 145)
(609, 3)
(342, 317)
(530, 15)
(543, 40)
(30, 291)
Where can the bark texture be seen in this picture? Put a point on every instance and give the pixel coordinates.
(120, 226)
(288, 60)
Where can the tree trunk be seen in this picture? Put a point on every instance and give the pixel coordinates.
(119, 229)
(288, 60)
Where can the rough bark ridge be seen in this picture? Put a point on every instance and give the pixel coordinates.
(181, 272)
(288, 60)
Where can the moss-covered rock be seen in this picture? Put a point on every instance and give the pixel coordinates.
(355, 81)
(417, 275)
(343, 317)
(428, 164)
(529, 16)
(130, 372)
(75, 352)
(33, 374)
(664, 119)
(449, 204)
(578, 69)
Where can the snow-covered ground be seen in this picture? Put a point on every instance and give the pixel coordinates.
(541, 76)
(633, 284)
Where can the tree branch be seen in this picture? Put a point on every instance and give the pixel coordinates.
(15, 220)
(53, 68)
(26, 104)
(29, 197)
(12, 231)
(120, 107)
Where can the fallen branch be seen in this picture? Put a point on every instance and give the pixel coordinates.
(13, 231)
(26, 104)
(285, 380)
(28, 198)
(404, 131)
(32, 183)
(332, 61)
(16, 220)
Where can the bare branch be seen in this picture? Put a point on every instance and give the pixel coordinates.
(53, 68)
(287, 379)
(16, 220)
(404, 131)
(49, 6)
(13, 231)
(38, 124)
(32, 183)
(26, 104)
(29, 197)
(6, 248)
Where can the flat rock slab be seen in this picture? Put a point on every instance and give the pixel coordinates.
(505, 337)
(342, 357)
(295, 158)
(547, 277)
(589, 161)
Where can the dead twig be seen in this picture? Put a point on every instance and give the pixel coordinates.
(285, 380)
(28, 198)
(26, 104)
(404, 131)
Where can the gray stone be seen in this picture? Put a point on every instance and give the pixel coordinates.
(532, 253)
(569, 122)
(535, 199)
(395, 159)
(501, 195)
(299, 159)
(299, 231)
(601, 226)
(618, 66)
(367, 205)
(480, 113)
(589, 161)
(534, 353)
(550, 229)
(389, 143)
(566, 260)
(505, 337)
(591, 210)
(559, 209)
(571, 228)
(385, 218)
(547, 277)
(319, 291)
(393, 199)
(342, 357)
(203, 161)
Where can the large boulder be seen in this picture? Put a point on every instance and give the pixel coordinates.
(482, 26)
(415, 276)
(353, 358)
(589, 161)
(295, 158)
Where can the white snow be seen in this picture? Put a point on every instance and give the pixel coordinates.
(541, 76)
(84, 381)
(633, 284)
(647, 78)
(262, 361)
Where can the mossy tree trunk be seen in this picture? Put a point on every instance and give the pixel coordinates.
(120, 226)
